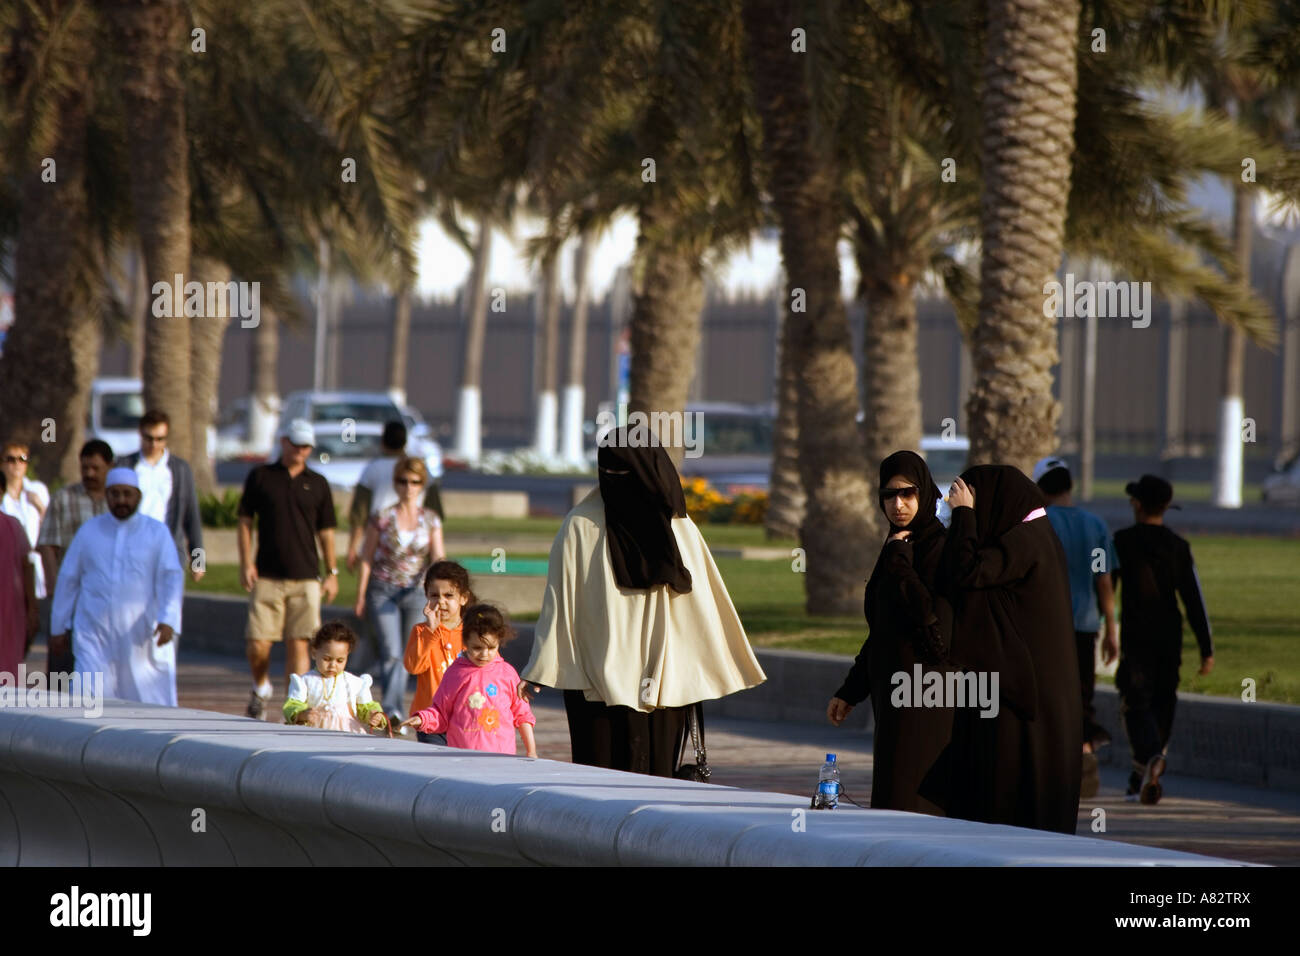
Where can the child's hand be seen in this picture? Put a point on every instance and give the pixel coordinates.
(411, 721)
(311, 717)
(377, 720)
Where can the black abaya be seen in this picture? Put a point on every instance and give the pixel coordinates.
(1008, 583)
(908, 625)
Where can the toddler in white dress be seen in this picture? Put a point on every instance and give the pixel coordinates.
(329, 697)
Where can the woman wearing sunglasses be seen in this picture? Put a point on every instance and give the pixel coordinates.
(25, 499)
(401, 541)
(909, 628)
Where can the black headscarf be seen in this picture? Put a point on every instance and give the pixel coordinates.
(926, 529)
(1003, 496)
(912, 467)
(985, 636)
(642, 494)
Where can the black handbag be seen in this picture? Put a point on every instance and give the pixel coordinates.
(693, 731)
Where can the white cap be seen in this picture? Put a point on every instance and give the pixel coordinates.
(299, 432)
(122, 476)
(1047, 464)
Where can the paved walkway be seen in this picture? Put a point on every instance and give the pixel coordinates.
(1199, 816)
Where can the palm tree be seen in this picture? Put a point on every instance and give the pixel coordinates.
(149, 35)
(572, 407)
(544, 436)
(839, 515)
(1030, 77)
(51, 352)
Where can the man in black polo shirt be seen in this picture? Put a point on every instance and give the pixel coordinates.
(294, 508)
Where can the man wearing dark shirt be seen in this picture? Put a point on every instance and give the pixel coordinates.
(1155, 569)
(293, 508)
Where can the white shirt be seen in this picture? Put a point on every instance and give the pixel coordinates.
(118, 581)
(30, 519)
(378, 477)
(155, 486)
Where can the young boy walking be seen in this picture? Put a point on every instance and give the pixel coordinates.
(1154, 565)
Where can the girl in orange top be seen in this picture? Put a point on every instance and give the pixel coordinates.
(433, 645)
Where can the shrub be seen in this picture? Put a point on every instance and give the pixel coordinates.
(220, 512)
(704, 503)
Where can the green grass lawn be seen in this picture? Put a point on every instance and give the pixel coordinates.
(1252, 590)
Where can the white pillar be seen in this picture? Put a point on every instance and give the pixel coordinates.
(571, 424)
(469, 412)
(1228, 463)
(544, 432)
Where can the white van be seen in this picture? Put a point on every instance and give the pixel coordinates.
(116, 406)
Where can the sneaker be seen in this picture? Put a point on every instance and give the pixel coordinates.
(1091, 780)
(1152, 791)
(256, 706)
(1134, 787)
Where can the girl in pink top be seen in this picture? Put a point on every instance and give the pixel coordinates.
(477, 704)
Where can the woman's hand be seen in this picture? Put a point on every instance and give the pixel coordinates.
(359, 609)
(961, 495)
(837, 710)
(900, 536)
(528, 691)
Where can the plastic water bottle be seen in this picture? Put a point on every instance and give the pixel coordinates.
(828, 785)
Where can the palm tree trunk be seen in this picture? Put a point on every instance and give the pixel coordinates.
(207, 336)
(665, 326)
(1030, 77)
(400, 347)
(469, 414)
(544, 439)
(51, 352)
(574, 404)
(151, 35)
(840, 525)
(786, 499)
(137, 296)
(264, 403)
(892, 402)
(1229, 461)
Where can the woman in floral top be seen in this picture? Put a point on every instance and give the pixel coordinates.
(400, 542)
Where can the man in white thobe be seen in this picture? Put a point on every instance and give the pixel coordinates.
(120, 584)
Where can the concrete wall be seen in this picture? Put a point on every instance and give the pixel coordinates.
(144, 785)
(1214, 737)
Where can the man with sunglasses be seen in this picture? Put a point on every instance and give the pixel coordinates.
(294, 510)
(167, 491)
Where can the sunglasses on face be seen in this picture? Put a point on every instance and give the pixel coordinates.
(907, 494)
(14, 459)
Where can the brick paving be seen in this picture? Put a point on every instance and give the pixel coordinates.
(1198, 816)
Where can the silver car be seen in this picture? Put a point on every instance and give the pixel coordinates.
(1283, 486)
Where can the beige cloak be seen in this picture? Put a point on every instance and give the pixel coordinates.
(636, 648)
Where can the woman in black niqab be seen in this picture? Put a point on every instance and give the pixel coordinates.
(642, 494)
(1005, 573)
(908, 626)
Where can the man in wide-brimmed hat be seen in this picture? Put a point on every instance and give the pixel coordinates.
(1155, 569)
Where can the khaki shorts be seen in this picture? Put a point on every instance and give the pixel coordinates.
(279, 609)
